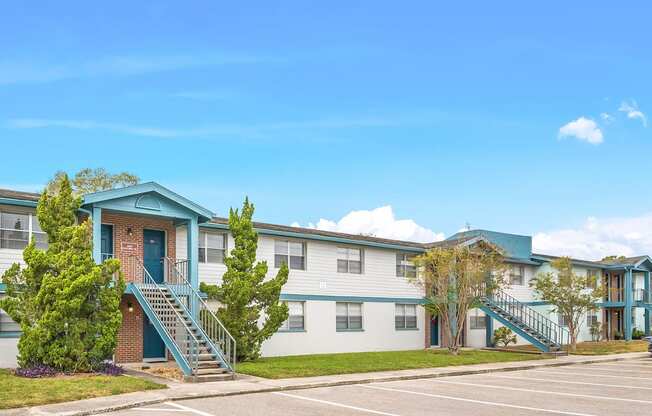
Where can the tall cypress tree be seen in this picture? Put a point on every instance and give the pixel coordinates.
(66, 305)
(251, 309)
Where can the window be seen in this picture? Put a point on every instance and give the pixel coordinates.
(405, 316)
(591, 278)
(405, 266)
(516, 275)
(16, 230)
(291, 253)
(295, 321)
(591, 319)
(478, 321)
(349, 316)
(212, 247)
(562, 320)
(349, 260)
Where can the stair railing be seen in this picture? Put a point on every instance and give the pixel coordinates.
(210, 325)
(553, 332)
(165, 311)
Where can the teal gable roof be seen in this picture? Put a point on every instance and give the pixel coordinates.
(515, 246)
(147, 198)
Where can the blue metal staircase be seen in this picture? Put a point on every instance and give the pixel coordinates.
(198, 341)
(536, 328)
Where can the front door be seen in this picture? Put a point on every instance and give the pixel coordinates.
(107, 241)
(434, 331)
(153, 253)
(153, 346)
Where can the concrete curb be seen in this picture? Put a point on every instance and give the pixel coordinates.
(370, 379)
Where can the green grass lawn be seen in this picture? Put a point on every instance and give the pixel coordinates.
(21, 392)
(363, 362)
(598, 348)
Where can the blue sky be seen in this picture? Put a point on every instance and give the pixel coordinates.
(447, 113)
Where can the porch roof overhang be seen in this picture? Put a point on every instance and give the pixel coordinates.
(147, 198)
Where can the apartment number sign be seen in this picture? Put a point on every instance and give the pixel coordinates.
(127, 247)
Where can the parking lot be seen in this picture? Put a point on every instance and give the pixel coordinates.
(616, 388)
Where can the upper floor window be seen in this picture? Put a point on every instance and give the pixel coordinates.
(296, 318)
(517, 275)
(591, 278)
(212, 247)
(405, 316)
(348, 316)
(16, 230)
(349, 260)
(405, 265)
(292, 253)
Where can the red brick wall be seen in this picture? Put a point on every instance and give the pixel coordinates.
(125, 244)
(130, 337)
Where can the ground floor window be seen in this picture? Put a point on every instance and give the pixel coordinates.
(296, 318)
(478, 320)
(349, 316)
(562, 320)
(405, 316)
(591, 319)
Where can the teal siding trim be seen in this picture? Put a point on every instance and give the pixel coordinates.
(144, 188)
(10, 334)
(17, 202)
(300, 297)
(308, 236)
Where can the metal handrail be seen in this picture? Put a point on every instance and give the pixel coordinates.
(552, 331)
(209, 324)
(615, 294)
(186, 341)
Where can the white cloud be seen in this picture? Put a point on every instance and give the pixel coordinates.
(582, 129)
(378, 222)
(598, 238)
(606, 117)
(632, 111)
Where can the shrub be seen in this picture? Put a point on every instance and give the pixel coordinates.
(36, 371)
(110, 369)
(504, 336)
(637, 333)
(618, 335)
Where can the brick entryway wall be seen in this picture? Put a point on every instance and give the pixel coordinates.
(127, 241)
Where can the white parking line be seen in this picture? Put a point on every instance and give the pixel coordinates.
(620, 370)
(188, 409)
(568, 373)
(624, 365)
(156, 409)
(497, 404)
(556, 380)
(555, 393)
(345, 406)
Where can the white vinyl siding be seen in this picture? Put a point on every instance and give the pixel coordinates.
(405, 316)
(349, 260)
(349, 316)
(212, 247)
(296, 318)
(292, 253)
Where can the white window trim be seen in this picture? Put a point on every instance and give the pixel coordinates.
(476, 314)
(405, 327)
(522, 271)
(406, 261)
(362, 257)
(205, 247)
(283, 329)
(30, 231)
(348, 318)
(288, 241)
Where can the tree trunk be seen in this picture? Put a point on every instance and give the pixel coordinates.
(573, 338)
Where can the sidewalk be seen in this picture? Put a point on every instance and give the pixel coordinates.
(249, 384)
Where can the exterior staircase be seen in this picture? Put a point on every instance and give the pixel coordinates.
(199, 343)
(536, 328)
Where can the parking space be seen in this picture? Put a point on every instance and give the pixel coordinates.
(620, 388)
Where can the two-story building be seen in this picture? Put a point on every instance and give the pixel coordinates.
(345, 292)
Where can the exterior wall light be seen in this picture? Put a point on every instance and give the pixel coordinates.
(130, 307)
(130, 232)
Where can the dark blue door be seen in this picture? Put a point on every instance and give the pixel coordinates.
(434, 331)
(153, 346)
(153, 253)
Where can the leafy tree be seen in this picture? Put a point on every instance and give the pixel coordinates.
(66, 305)
(571, 295)
(88, 180)
(455, 279)
(251, 309)
(613, 258)
(504, 336)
